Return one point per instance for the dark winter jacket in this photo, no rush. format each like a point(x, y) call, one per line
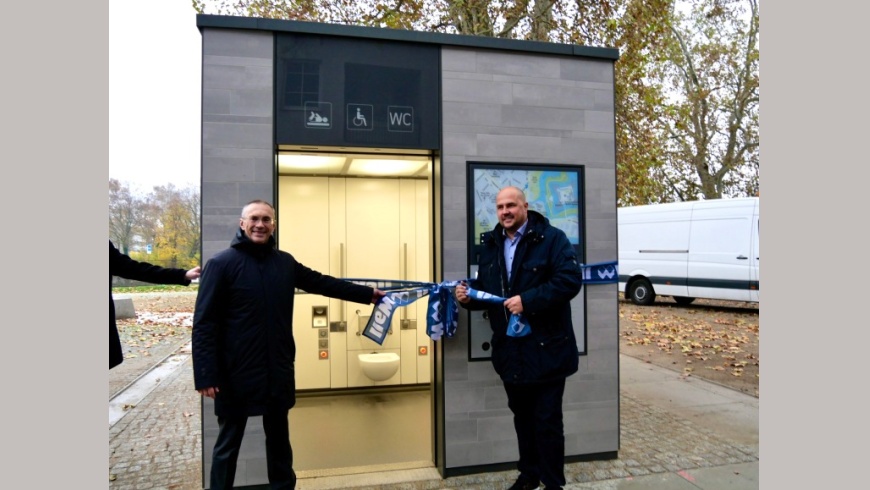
point(547, 275)
point(123, 266)
point(243, 324)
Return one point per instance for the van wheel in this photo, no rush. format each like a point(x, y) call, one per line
point(683, 300)
point(641, 292)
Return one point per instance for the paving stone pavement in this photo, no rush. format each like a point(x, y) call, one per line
point(158, 445)
point(128, 371)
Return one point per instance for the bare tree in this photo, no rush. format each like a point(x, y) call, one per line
point(168, 218)
point(712, 118)
point(125, 213)
point(686, 81)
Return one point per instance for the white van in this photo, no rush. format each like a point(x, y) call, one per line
point(699, 249)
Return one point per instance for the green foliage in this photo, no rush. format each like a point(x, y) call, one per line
point(168, 219)
point(156, 288)
point(686, 83)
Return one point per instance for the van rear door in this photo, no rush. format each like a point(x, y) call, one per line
point(720, 253)
point(755, 285)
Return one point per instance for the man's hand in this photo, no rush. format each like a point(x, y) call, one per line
point(377, 295)
point(209, 392)
point(461, 293)
point(514, 304)
point(193, 273)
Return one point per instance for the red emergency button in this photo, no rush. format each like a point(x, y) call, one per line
point(423, 350)
point(324, 354)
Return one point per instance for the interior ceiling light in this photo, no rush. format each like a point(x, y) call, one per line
point(367, 166)
point(310, 164)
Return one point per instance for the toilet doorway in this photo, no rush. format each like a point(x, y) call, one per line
point(358, 215)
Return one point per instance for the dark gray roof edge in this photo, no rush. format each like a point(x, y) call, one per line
point(234, 22)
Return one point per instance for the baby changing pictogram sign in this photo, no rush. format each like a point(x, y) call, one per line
point(318, 115)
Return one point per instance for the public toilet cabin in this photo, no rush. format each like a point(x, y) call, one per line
point(382, 151)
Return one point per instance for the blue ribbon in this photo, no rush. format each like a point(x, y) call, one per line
point(442, 313)
point(600, 272)
point(379, 322)
point(517, 326)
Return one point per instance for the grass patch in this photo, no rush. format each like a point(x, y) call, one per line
point(156, 288)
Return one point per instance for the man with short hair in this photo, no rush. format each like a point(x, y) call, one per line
point(534, 267)
point(243, 347)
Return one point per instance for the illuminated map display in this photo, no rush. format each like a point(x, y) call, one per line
point(554, 194)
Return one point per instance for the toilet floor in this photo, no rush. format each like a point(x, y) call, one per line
point(334, 432)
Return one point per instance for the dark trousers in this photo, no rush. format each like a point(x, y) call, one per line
point(279, 454)
point(537, 410)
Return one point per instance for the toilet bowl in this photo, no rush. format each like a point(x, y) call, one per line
point(379, 366)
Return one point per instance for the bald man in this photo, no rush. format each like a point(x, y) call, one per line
point(535, 268)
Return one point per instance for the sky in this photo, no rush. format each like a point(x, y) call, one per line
point(154, 93)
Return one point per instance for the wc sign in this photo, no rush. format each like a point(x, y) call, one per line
point(401, 119)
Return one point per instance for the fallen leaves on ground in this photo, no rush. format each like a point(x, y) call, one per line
point(158, 320)
point(707, 339)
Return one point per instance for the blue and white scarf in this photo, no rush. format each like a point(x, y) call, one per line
point(442, 314)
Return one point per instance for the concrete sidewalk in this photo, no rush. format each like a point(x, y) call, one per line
point(676, 433)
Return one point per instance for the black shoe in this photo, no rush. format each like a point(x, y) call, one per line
point(552, 488)
point(523, 483)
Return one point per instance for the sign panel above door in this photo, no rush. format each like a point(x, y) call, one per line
point(344, 92)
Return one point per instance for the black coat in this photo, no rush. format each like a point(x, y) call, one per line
point(547, 275)
point(243, 324)
point(123, 266)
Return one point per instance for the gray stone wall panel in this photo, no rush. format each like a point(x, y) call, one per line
point(461, 60)
point(238, 166)
point(560, 111)
point(236, 61)
point(220, 228)
point(250, 103)
point(517, 64)
point(599, 122)
point(471, 114)
point(588, 71)
point(546, 118)
point(593, 152)
point(604, 100)
point(250, 191)
point(236, 135)
point(215, 101)
point(495, 429)
point(215, 77)
point(469, 454)
point(219, 194)
point(237, 43)
point(463, 430)
point(229, 169)
point(509, 148)
point(477, 91)
point(560, 97)
point(462, 144)
point(464, 400)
